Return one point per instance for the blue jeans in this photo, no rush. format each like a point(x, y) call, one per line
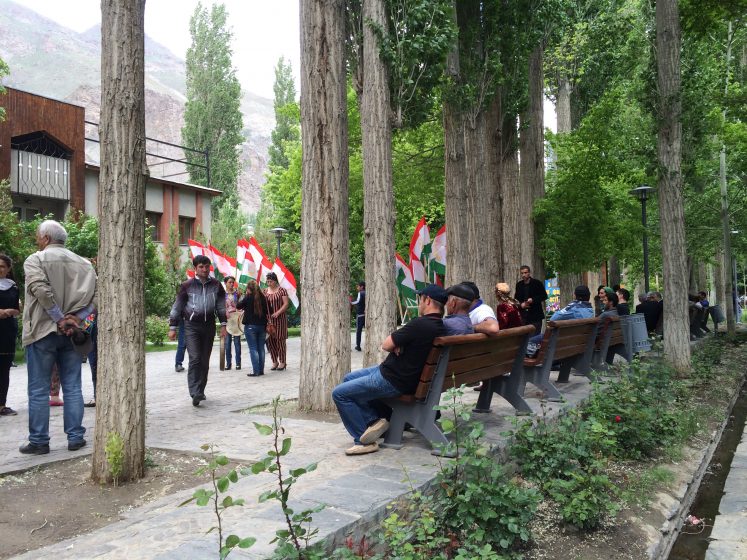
point(354, 395)
point(40, 356)
point(181, 344)
point(255, 338)
point(236, 341)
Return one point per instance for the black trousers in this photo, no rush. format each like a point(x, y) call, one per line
point(5, 361)
point(360, 323)
point(199, 338)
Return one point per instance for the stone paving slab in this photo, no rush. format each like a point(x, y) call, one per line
point(356, 489)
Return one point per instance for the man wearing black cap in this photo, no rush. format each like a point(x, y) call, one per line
point(398, 374)
point(481, 314)
point(457, 307)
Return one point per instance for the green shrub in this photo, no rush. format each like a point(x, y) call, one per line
point(156, 329)
point(585, 498)
point(641, 410)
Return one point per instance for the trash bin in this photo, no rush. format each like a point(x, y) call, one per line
point(634, 326)
point(717, 314)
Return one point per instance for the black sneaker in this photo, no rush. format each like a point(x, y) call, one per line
point(238, 366)
point(75, 445)
point(179, 368)
point(196, 400)
point(31, 449)
point(358, 348)
point(7, 411)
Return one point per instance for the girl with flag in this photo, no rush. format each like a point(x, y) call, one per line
point(232, 299)
point(277, 302)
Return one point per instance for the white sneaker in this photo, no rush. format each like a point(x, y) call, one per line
point(374, 431)
point(362, 449)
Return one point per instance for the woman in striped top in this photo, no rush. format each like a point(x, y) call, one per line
point(277, 302)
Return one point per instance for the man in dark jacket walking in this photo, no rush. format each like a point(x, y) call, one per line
point(531, 294)
point(198, 301)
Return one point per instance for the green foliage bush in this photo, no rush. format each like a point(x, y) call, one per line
point(156, 329)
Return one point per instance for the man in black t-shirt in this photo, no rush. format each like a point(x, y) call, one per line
point(531, 295)
point(398, 374)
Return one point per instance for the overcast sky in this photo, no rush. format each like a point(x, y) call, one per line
point(263, 31)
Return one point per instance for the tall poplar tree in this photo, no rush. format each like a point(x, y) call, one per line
point(325, 270)
point(120, 398)
point(286, 114)
point(212, 114)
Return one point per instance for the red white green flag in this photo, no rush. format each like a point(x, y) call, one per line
point(245, 268)
point(405, 283)
point(263, 264)
point(419, 247)
point(287, 281)
point(438, 253)
point(223, 264)
point(197, 248)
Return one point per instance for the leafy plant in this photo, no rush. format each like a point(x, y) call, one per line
point(156, 329)
point(293, 542)
point(220, 483)
point(114, 451)
point(584, 497)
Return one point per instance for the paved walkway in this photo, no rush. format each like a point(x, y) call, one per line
point(355, 489)
point(729, 535)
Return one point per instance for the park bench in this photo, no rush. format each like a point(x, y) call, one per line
point(620, 335)
point(457, 360)
point(567, 343)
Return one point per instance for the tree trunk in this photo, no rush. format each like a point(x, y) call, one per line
point(378, 197)
point(494, 159)
point(532, 171)
point(325, 271)
point(566, 282)
point(563, 106)
point(514, 203)
point(671, 209)
point(455, 179)
point(481, 246)
point(120, 393)
point(613, 272)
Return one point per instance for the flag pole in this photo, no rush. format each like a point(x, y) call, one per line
point(399, 304)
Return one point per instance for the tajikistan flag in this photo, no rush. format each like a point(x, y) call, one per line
point(405, 283)
point(223, 263)
point(287, 281)
point(245, 268)
point(419, 248)
point(263, 264)
point(438, 252)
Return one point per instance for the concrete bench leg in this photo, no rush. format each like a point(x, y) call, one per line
point(400, 415)
point(540, 377)
point(565, 372)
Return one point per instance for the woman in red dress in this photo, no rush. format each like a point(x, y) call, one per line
point(277, 303)
point(507, 310)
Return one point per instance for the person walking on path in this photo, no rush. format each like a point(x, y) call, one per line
point(360, 313)
point(254, 305)
point(9, 310)
point(398, 374)
point(232, 299)
point(61, 291)
point(198, 302)
point(181, 348)
point(531, 295)
point(277, 303)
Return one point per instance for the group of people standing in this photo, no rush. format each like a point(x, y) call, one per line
point(262, 313)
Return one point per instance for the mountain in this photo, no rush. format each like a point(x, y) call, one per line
point(52, 60)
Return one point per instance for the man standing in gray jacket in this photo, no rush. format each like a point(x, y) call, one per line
point(198, 301)
point(60, 293)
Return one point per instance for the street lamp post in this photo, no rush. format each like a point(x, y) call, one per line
point(642, 193)
point(279, 232)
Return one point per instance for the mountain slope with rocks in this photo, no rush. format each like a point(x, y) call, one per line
point(54, 61)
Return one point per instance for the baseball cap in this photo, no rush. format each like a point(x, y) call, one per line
point(434, 292)
point(461, 291)
point(472, 286)
point(582, 292)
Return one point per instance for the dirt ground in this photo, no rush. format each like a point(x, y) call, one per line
point(57, 501)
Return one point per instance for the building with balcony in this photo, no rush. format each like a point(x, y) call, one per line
point(52, 166)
